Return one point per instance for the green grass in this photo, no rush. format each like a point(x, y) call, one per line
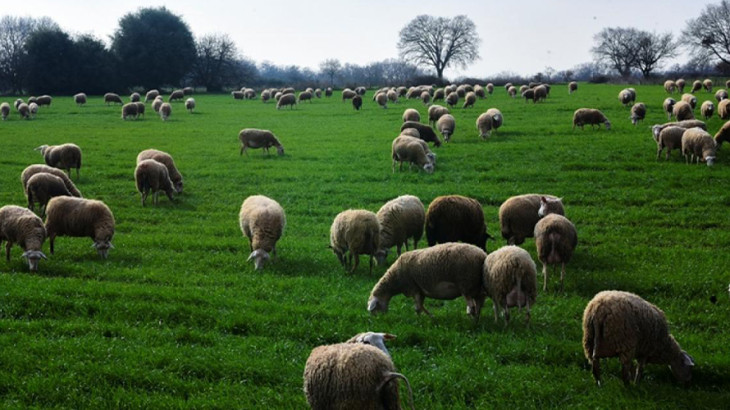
point(176, 317)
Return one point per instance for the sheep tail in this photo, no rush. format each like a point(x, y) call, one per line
point(393, 375)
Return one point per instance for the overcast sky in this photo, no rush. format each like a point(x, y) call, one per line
point(519, 36)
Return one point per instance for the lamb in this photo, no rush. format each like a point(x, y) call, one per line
point(130, 110)
point(352, 376)
point(720, 95)
point(42, 100)
point(484, 125)
point(426, 132)
point(31, 170)
point(134, 97)
point(723, 109)
point(669, 106)
point(470, 99)
point(497, 118)
point(435, 112)
point(411, 150)
point(286, 99)
point(190, 104)
point(157, 104)
point(622, 324)
point(707, 84)
point(4, 110)
point(670, 86)
point(638, 112)
point(583, 116)
point(165, 159)
point(24, 111)
point(707, 109)
point(151, 175)
point(669, 138)
point(446, 125)
point(237, 95)
point(78, 217)
point(348, 94)
point(151, 95)
point(42, 187)
point(400, 219)
point(255, 138)
point(680, 85)
point(444, 271)
point(698, 144)
point(80, 99)
point(682, 110)
point(512, 91)
point(555, 240)
point(262, 220)
point(426, 97)
point(165, 111)
point(723, 134)
point(305, 96)
point(22, 226)
point(696, 86)
point(355, 232)
point(382, 99)
point(626, 97)
point(510, 280)
point(411, 114)
point(112, 98)
point(65, 156)
point(452, 218)
point(541, 93)
point(690, 99)
point(519, 214)
point(357, 102)
point(452, 99)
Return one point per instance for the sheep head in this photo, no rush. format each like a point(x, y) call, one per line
point(682, 366)
point(381, 256)
point(428, 167)
point(33, 257)
point(179, 187)
point(102, 246)
point(259, 257)
point(280, 150)
point(710, 161)
point(546, 205)
point(376, 305)
point(42, 149)
point(373, 339)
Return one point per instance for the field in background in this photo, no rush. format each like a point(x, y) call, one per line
point(176, 317)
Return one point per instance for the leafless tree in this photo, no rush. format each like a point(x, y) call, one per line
point(652, 49)
point(439, 42)
point(14, 31)
point(708, 36)
point(330, 67)
point(215, 62)
point(617, 47)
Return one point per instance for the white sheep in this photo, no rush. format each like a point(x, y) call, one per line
point(24, 111)
point(151, 95)
point(355, 232)
point(707, 84)
point(65, 156)
point(165, 111)
point(696, 86)
point(669, 138)
point(721, 95)
point(176, 95)
point(190, 104)
point(446, 124)
point(670, 86)
point(510, 280)
point(626, 96)
point(484, 125)
point(470, 99)
point(262, 220)
point(32, 109)
point(78, 217)
point(157, 104)
point(400, 219)
point(669, 106)
point(707, 109)
point(22, 226)
point(680, 85)
point(519, 214)
point(286, 99)
point(690, 99)
point(723, 109)
point(382, 99)
point(255, 138)
point(4, 110)
point(408, 149)
point(134, 97)
point(113, 98)
point(555, 240)
point(80, 99)
point(638, 112)
point(698, 145)
point(165, 159)
point(583, 116)
point(722, 135)
point(130, 110)
point(153, 176)
point(435, 112)
point(497, 118)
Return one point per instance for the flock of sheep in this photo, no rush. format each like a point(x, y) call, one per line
point(360, 372)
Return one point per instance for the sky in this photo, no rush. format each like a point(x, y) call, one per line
point(517, 36)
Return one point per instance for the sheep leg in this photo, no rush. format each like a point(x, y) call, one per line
point(596, 367)
point(7, 250)
point(144, 197)
point(562, 276)
point(545, 275)
point(51, 238)
point(506, 314)
point(371, 265)
point(418, 298)
point(495, 307)
point(357, 262)
point(527, 315)
point(77, 173)
point(400, 246)
point(627, 369)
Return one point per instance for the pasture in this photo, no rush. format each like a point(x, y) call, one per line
point(177, 318)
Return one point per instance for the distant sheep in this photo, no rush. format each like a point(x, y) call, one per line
point(411, 114)
point(555, 240)
point(510, 280)
point(426, 97)
point(151, 95)
point(490, 88)
point(134, 97)
point(190, 104)
point(626, 96)
point(355, 232)
point(165, 111)
point(528, 94)
point(470, 99)
point(65, 156)
point(696, 86)
point(24, 111)
point(187, 90)
point(541, 93)
point(348, 94)
point(22, 226)
point(382, 99)
point(32, 109)
point(357, 102)
point(572, 87)
point(452, 99)
point(305, 96)
point(255, 138)
point(512, 91)
point(485, 125)
point(80, 99)
point(112, 98)
point(43, 100)
point(237, 95)
point(698, 145)
point(400, 219)
point(497, 118)
point(638, 112)
point(583, 116)
point(707, 109)
point(157, 104)
point(446, 126)
point(680, 85)
point(707, 84)
point(479, 92)
point(438, 95)
point(670, 86)
point(130, 110)
point(453, 218)
point(519, 214)
point(78, 217)
point(265, 96)
point(328, 92)
point(262, 220)
point(720, 95)
point(392, 96)
point(669, 106)
point(4, 110)
point(723, 109)
point(165, 159)
point(286, 99)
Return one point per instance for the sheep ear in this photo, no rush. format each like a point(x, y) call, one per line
point(388, 336)
point(687, 360)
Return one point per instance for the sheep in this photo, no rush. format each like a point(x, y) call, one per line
point(17, 103)
point(469, 100)
point(80, 99)
point(696, 86)
point(624, 325)
point(31, 170)
point(400, 219)
point(165, 111)
point(507, 86)
point(497, 118)
point(452, 99)
point(190, 104)
point(461, 91)
point(707, 84)
point(426, 132)
point(555, 240)
point(348, 94)
point(112, 98)
point(490, 88)
point(262, 220)
point(541, 93)
point(41, 187)
point(445, 271)
point(723, 134)
point(426, 97)
point(479, 92)
point(32, 109)
point(360, 90)
point(512, 91)
point(670, 138)
point(249, 93)
point(435, 112)
point(583, 116)
point(411, 150)
point(524, 88)
point(572, 87)
point(151, 95)
point(382, 99)
point(519, 214)
point(682, 110)
point(265, 96)
point(723, 109)
point(510, 280)
point(392, 96)
point(707, 109)
point(626, 97)
point(452, 218)
point(657, 128)
point(484, 125)
point(65, 156)
point(638, 112)
point(680, 85)
point(720, 95)
point(150, 175)
point(286, 99)
point(4, 110)
point(318, 93)
point(165, 159)
point(352, 376)
point(411, 114)
point(412, 132)
point(670, 86)
point(698, 144)
point(22, 226)
point(357, 102)
point(24, 111)
point(669, 106)
point(255, 138)
point(134, 97)
point(42, 100)
point(528, 94)
point(690, 99)
point(446, 125)
point(130, 110)
point(187, 90)
point(439, 95)
point(157, 104)
point(78, 217)
point(355, 232)
point(328, 92)
point(237, 95)
point(305, 96)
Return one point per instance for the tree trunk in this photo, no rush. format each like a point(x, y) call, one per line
point(440, 74)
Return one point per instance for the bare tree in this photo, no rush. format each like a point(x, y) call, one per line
point(617, 47)
point(330, 68)
point(215, 62)
point(14, 32)
point(708, 36)
point(439, 42)
point(652, 49)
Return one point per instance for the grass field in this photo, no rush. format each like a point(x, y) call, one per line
point(176, 317)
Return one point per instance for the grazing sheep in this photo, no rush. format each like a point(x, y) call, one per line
point(80, 99)
point(682, 110)
point(669, 138)
point(112, 98)
point(461, 91)
point(305, 96)
point(510, 280)
point(318, 93)
point(512, 91)
point(485, 124)
point(190, 104)
point(78, 217)
point(519, 214)
point(723, 109)
point(357, 102)
point(626, 97)
point(453, 218)
point(425, 132)
point(157, 104)
point(680, 85)
point(20, 225)
point(412, 132)
point(479, 92)
point(572, 87)
point(249, 93)
point(32, 109)
point(528, 94)
point(187, 90)
point(65, 156)
point(17, 103)
point(165, 159)
point(686, 124)
point(165, 111)
point(392, 96)
point(262, 220)
point(426, 97)
point(411, 150)
point(439, 95)
point(348, 94)
point(638, 112)
point(497, 118)
point(352, 376)
point(707, 109)
point(286, 99)
point(400, 219)
point(698, 145)
point(524, 88)
point(265, 96)
point(469, 100)
point(720, 95)
point(622, 324)
point(696, 86)
point(328, 92)
point(130, 110)
point(583, 116)
point(723, 134)
point(452, 99)
point(555, 240)
point(435, 112)
point(541, 93)
point(690, 99)
point(355, 232)
point(382, 99)
point(237, 95)
point(411, 114)
point(41, 187)
point(255, 138)
point(444, 271)
point(151, 95)
point(360, 90)
point(134, 97)
point(24, 111)
point(490, 88)
point(707, 84)
point(446, 125)
point(4, 110)
point(31, 170)
point(42, 100)
point(670, 86)
point(507, 86)
point(151, 175)
point(669, 106)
